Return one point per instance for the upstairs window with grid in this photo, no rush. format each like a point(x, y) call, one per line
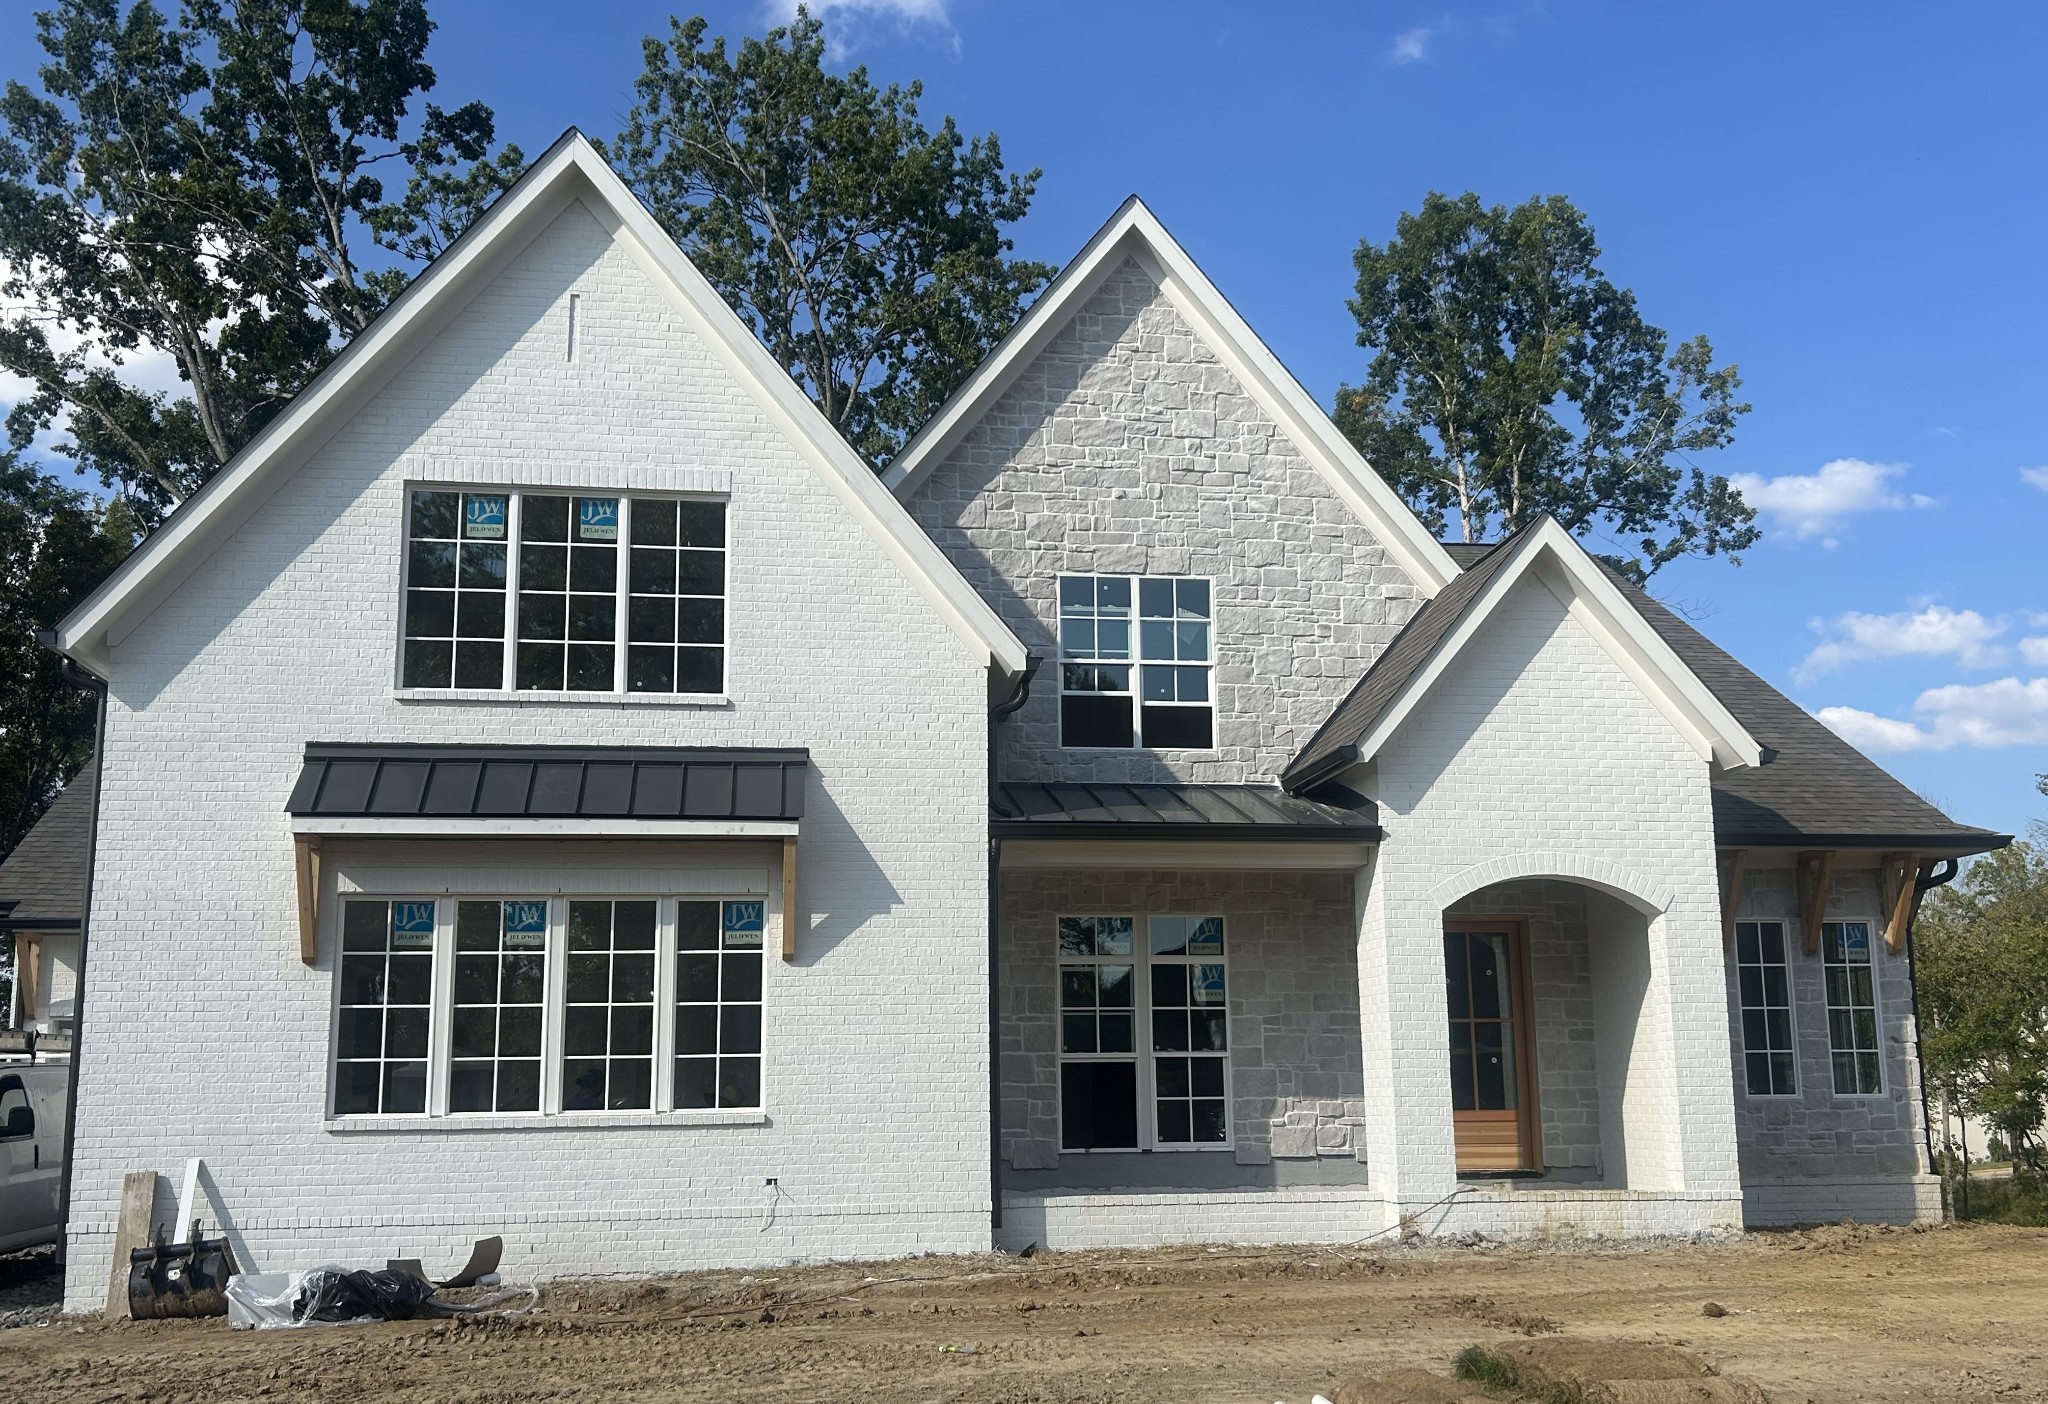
point(604, 593)
point(1136, 663)
point(1770, 1059)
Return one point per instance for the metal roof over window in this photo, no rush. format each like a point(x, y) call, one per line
point(577, 783)
point(1173, 811)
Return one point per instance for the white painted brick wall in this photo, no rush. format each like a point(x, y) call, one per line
point(206, 1036)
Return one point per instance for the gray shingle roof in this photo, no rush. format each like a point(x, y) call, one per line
point(1813, 788)
point(1175, 811)
point(44, 878)
point(538, 782)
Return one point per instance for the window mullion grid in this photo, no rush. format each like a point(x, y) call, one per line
point(664, 1004)
point(1141, 997)
point(622, 596)
point(439, 1016)
point(508, 675)
point(554, 995)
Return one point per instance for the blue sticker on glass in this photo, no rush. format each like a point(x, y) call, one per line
point(597, 518)
point(743, 922)
point(412, 924)
point(526, 923)
point(1205, 982)
point(483, 517)
point(1857, 938)
point(1205, 937)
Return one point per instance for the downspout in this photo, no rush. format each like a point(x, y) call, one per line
point(80, 676)
point(1922, 886)
point(1019, 695)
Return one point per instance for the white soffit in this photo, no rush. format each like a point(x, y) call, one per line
point(1547, 555)
point(1134, 232)
point(569, 171)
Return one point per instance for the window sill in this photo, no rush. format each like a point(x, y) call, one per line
point(588, 699)
point(560, 1121)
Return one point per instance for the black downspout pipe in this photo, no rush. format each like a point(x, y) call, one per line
point(93, 683)
point(1921, 886)
point(1019, 695)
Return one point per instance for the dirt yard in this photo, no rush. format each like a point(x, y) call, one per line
point(1835, 1314)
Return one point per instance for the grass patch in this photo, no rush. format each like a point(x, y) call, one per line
point(2015, 1201)
point(1481, 1366)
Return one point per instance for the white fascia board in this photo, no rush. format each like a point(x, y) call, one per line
point(569, 170)
point(1136, 232)
point(1561, 565)
point(457, 826)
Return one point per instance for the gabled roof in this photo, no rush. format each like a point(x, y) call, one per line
point(1133, 232)
point(42, 883)
point(571, 170)
point(1437, 633)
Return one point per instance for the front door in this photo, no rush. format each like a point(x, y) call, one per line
point(1493, 1076)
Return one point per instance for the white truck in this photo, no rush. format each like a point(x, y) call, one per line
point(32, 1100)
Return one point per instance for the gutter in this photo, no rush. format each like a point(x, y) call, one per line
point(80, 676)
point(1020, 693)
point(1922, 886)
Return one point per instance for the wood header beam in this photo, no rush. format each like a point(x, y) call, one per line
point(1816, 881)
point(306, 863)
point(792, 915)
point(1731, 892)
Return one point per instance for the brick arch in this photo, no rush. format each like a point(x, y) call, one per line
point(1652, 899)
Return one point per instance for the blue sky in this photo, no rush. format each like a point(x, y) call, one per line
point(1844, 198)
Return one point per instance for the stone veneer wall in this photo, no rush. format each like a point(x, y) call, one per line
point(1817, 1134)
point(1561, 973)
point(1289, 944)
point(1127, 448)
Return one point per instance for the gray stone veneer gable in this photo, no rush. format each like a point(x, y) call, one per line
point(1127, 447)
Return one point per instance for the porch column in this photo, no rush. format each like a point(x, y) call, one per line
point(1689, 977)
point(1411, 1155)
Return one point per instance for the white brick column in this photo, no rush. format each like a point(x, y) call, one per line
point(1411, 1155)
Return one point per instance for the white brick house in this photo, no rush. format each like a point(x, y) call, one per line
point(554, 788)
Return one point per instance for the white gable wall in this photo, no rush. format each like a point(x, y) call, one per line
point(1537, 755)
point(215, 1039)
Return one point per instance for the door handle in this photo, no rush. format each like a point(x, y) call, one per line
point(39, 1158)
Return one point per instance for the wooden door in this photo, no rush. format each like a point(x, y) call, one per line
point(1493, 1068)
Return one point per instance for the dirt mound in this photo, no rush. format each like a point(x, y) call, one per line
point(1571, 1370)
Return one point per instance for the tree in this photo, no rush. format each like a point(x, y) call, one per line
point(56, 546)
point(209, 188)
point(1510, 379)
point(1981, 969)
point(865, 251)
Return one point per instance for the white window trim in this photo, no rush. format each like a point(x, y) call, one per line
point(508, 690)
point(1872, 935)
point(1791, 1010)
point(1141, 1036)
point(440, 1019)
point(1136, 664)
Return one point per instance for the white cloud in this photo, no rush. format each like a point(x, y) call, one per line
point(2035, 477)
point(1412, 45)
point(848, 23)
point(2035, 651)
point(1814, 504)
point(1935, 631)
point(1984, 715)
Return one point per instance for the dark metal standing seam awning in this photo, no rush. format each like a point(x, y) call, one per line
point(1240, 812)
point(549, 782)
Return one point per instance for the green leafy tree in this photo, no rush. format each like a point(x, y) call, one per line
point(1981, 969)
point(212, 187)
point(864, 250)
point(1510, 378)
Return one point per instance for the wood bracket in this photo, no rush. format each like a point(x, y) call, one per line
point(306, 862)
point(1900, 880)
point(1816, 881)
point(1731, 892)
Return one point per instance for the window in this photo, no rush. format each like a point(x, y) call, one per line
point(1769, 1056)
point(387, 982)
point(613, 594)
point(516, 1005)
point(718, 1004)
point(1182, 1081)
point(1171, 707)
point(1852, 1008)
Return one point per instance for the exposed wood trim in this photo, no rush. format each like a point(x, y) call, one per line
point(1731, 893)
point(1816, 881)
point(306, 864)
point(28, 972)
point(1899, 874)
point(792, 915)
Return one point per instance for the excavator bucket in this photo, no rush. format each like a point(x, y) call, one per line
point(180, 1279)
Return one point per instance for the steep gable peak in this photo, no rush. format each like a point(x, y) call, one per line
point(1134, 234)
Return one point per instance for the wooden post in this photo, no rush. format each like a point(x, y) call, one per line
point(1899, 877)
point(306, 854)
point(131, 1231)
point(1816, 880)
point(1731, 893)
point(792, 916)
point(28, 972)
